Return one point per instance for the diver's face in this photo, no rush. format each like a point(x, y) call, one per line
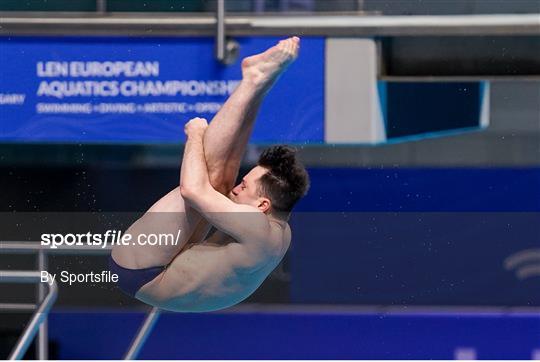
point(247, 191)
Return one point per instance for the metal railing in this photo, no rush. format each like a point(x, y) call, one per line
point(40, 315)
point(220, 30)
point(41, 24)
point(38, 324)
point(142, 334)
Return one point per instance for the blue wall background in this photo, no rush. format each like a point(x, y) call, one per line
point(416, 237)
point(298, 335)
point(423, 189)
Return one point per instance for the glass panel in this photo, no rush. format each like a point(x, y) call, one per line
point(450, 7)
point(158, 5)
point(48, 5)
point(385, 7)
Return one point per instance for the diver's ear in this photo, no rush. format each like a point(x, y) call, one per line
point(264, 204)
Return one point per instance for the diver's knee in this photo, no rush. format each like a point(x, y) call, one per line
point(220, 182)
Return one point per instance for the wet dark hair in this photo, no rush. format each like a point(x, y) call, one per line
point(286, 181)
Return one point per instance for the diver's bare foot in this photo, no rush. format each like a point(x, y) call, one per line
point(264, 68)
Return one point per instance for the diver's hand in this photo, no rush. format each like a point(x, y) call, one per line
point(196, 127)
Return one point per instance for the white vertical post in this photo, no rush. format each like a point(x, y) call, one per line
point(353, 109)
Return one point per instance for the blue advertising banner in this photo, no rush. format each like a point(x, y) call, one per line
point(143, 90)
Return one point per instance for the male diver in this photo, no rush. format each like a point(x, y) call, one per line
point(250, 230)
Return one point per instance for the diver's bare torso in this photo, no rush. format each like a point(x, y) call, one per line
point(216, 273)
point(203, 272)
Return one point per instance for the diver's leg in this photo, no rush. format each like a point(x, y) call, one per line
point(169, 216)
point(227, 135)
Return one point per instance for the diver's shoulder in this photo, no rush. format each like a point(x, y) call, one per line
point(279, 238)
